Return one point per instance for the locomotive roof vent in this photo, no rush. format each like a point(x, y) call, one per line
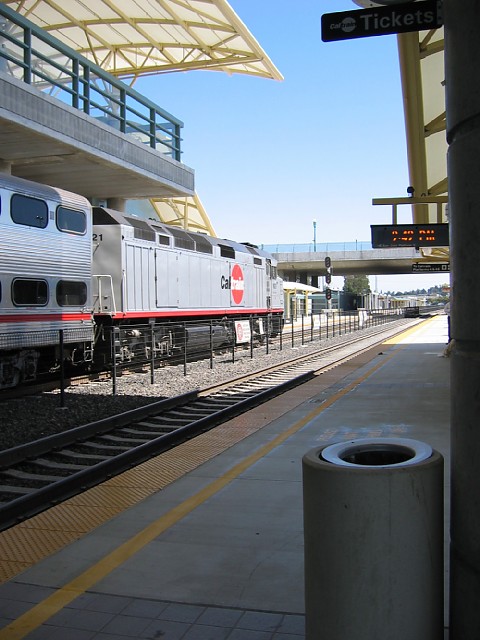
point(182, 239)
point(251, 247)
point(102, 215)
point(159, 229)
point(202, 243)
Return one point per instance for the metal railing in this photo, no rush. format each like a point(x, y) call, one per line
point(319, 247)
point(124, 347)
point(30, 54)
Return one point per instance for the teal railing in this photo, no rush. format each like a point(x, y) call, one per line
point(32, 55)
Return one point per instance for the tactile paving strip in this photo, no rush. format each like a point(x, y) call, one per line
point(29, 542)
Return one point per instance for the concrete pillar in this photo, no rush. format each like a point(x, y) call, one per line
point(462, 75)
point(118, 204)
point(5, 166)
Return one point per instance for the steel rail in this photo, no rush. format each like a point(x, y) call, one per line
point(26, 506)
point(238, 398)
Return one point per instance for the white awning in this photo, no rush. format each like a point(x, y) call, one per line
point(298, 286)
point(129, 38)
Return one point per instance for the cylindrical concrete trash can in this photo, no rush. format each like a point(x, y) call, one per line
point(373, 529)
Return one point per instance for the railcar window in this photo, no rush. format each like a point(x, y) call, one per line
point(257, 261)
point(71, 294)
point(29, 292)
point(164, 240)
point(71, 221)
point(226, 251)
point(29, 211)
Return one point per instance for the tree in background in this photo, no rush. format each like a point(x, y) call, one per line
point(359, 285)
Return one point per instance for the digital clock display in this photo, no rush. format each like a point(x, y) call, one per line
point(409, 235)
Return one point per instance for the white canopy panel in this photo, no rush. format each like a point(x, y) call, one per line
point(423, 80)
point(298, 286)
point(421, 57)
point(129, 38)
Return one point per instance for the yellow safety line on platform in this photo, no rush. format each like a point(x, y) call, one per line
point(41, 612)
point(405, 334)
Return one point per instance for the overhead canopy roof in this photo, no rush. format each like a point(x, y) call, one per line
point(129, 38)
point(186, 212)
point(423, 78)
point(421, 55)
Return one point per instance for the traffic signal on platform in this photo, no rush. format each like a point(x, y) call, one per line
point(328, 277)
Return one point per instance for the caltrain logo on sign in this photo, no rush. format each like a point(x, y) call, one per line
point(238, 284)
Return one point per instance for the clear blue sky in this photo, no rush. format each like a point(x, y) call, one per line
point(270, 157)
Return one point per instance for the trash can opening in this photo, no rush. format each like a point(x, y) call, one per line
point(374, 456)
point(380, 453)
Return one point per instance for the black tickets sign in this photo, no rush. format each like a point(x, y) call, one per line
point(379, 21)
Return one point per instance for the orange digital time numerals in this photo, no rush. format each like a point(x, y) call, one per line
point(407, 235)
point(410, 235)
point(427, 234)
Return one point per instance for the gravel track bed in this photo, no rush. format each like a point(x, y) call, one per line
point(32, 417)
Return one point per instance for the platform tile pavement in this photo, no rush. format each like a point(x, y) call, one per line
point(108, 617)
point(95, 616)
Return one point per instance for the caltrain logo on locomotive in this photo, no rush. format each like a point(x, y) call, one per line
point(238, 284)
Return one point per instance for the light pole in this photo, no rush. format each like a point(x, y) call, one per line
point(314, 235)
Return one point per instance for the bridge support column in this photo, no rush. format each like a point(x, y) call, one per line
point(462, 61)
point(119, 204)
point(5, 167)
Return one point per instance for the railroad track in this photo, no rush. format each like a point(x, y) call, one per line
point(37, 475)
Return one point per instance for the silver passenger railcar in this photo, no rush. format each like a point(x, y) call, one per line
point(45, 278)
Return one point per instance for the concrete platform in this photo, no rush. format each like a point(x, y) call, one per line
point(218, 554)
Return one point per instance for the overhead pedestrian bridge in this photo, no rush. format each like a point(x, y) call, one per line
point(66, 122)
point(300, 262)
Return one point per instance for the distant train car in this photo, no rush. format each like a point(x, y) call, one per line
point(45, 278)
point(69, 275)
